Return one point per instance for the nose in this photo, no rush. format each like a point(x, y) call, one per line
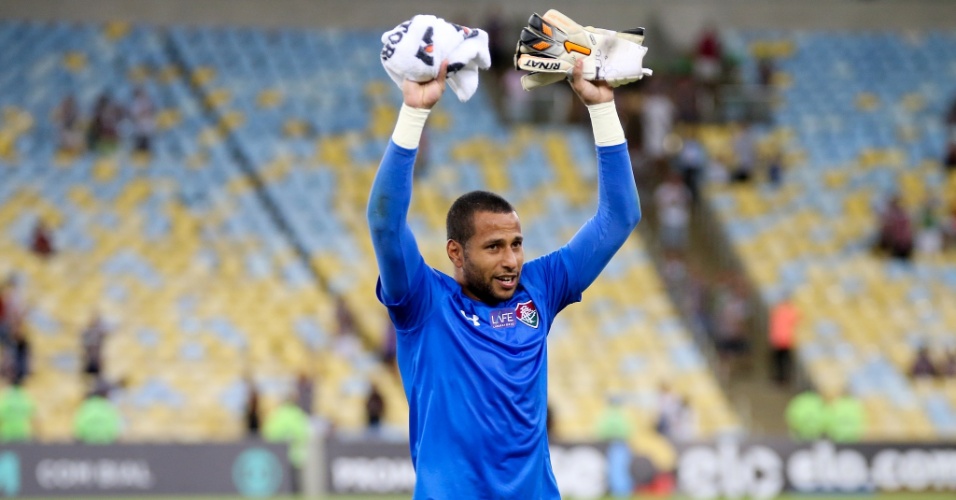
point(510, 259)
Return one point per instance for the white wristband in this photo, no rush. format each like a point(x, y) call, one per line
point(606, 124)
point(408, 128)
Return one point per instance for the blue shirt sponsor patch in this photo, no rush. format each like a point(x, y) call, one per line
point(503, 318)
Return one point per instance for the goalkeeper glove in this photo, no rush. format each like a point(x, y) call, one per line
point(551, 44)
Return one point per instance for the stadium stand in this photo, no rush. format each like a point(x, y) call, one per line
point(175, 249)
point(223, 253)
point(315, 140)
point(858, 118)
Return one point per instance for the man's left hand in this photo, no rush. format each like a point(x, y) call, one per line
point(590, 92)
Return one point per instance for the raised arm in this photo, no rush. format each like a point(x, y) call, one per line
point(395, 249)
point(619, 208)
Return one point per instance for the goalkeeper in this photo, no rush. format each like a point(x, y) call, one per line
point(472, 347)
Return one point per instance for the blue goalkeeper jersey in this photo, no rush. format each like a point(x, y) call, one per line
point(475, 374)
point(476, 380)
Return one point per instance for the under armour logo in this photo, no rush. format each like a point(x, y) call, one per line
point(473, 318)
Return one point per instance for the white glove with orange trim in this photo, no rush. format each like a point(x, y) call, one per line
point(551, 44)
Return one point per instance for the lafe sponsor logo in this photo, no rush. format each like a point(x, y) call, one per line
point(502, 318)
point(100, 474)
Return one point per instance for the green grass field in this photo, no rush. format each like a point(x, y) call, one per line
point(897, 496)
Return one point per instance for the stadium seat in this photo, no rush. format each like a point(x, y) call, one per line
point(854, 138)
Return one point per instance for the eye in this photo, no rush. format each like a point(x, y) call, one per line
point(517, 244)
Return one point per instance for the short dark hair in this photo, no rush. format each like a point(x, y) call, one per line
point(460, 222)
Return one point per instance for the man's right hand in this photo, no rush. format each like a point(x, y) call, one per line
point(425, 95)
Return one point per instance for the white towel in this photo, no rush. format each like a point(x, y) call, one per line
point(415, 49)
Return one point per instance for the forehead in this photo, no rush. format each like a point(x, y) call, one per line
point(490, 225)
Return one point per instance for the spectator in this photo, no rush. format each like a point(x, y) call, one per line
point(93, 338)
point(17, 413)
point(708, 69)
point(304, 392)
point(685, 101)
point(21, 355)
point(929, 239)
point(69, 124)
point(845, 419)
point(343, 317)
point(374, 410)
point(676, 420)
point(41, 242)
point(615, 427)
point(923, 366)
point(765, 71)
point(517, 102)
point(806, 416)
point(690, 285)
point(951, 116)
point(657, 122)
point(103, 132)
point(775, 171)
point(948, 366)
point(7, 308)
point(691, 162)
point(684, 426)
point(289, 424)
point(896, 231)
point(613, 424)
point(707, 60)
point(783, 322)
point(115, 389)
point(948, 226)
point(629, 107)
point(949, 161)
point(674, 271)
point(672, 199)
point(346, 343)
point(143, 115)
point(13, 311)
point(667, 404)
point(97, 421)
point(745, 150)
point(389, 346)
point(716, 172)
point(252, 412)
point(730, 312)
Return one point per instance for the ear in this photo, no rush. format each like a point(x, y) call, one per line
point(456, 253)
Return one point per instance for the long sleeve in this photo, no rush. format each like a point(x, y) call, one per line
point(618, 213)
point(396, 251)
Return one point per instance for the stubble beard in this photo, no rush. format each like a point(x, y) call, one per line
point(482, 288)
